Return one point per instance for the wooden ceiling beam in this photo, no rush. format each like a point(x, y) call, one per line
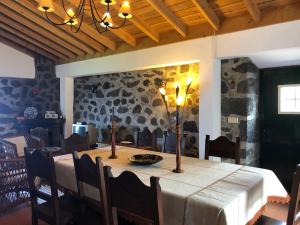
point(87, 29)
point(28, 24)
point(43, 23)
point(161, 8)
point(204, 7)
point(253, 9)
point(27, 45)
point(142, 25)
point(36, 36)
point(32, 41)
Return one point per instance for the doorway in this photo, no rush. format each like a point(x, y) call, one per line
point(280, 132)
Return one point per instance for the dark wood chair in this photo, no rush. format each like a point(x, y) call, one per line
point(145, 139)
point(34, 142)
point(90, 173)
point(290, 214)
point(131, 200)
point(222, 147)
point(170, 143)
point(41, 133)
point(47, 206)
point(75, 143)
point(13, 178)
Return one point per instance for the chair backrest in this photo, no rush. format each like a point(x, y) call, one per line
point(8, 150)
point(40, 165)
point(145, 139)
point(170, 143)
point(222, 147)
point(294, 206)
point(75, 143)
point(129, 198)
point(34, 142)
point(91, 173)
point(41, 133)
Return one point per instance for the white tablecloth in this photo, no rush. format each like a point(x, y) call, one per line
point(207, 193)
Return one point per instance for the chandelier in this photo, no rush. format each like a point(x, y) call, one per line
point(74, 17)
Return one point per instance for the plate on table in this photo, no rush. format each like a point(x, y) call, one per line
point(145, 159)
point(126, 142)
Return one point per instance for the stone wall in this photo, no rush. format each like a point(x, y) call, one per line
point(240, 98)
point(135, 97)
point(16, 94)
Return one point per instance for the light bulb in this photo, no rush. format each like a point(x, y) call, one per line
point(179, 100)
point(189, 80)
point(45, 6)
point(162, 91)
point(125, 10)
point(69, 18)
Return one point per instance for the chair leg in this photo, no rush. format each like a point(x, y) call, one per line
point(82, 213)
point(34, 218)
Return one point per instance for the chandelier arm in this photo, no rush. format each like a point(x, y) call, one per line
point(52, 22)
point(98, 29)
point(78, 10)
point(93, 7)
point(95, 21)
point(80, 23)
point(125, 19)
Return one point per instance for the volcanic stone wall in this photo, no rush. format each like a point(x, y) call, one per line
point(16, 94)
point(240, 98)
point(135, 98)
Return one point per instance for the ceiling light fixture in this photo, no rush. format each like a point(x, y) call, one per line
point(74, 17)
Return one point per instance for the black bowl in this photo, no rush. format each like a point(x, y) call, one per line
point(145, 159)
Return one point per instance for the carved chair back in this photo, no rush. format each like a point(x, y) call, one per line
point(40, 165)
point(90, 173)
point(294, 206)
point(222, 147)
point(170, 143)
point(130, 199)
point(8, 150)
point(41, 133)
point(75, 143)
point(145, 139)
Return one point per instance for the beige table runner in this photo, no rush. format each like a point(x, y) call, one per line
point(207, 193)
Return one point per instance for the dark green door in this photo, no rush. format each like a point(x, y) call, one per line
point(280, 133)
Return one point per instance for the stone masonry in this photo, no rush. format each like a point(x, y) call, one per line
point(240, 98)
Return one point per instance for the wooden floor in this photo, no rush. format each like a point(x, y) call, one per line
point(19, 216)
point(22, 216)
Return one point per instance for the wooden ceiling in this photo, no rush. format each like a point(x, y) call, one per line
point(154, 22)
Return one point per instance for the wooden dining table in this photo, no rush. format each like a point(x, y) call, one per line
point(207, 193)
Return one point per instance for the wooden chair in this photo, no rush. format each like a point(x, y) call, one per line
point(130, 199)
point(75, 143)
point(41, 133)
point(90, 173)
point(49, 206)
point(287, 213)
point(34, 142)
point(13, 177)
point(222, 147)
point(170, 143)
point(145, 139)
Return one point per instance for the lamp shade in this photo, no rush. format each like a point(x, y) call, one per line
point(108, 20)
point(106, 2)
point(70, 19)
point(45, 5)
point(125, 10)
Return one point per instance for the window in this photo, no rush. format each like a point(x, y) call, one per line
point(289, 99)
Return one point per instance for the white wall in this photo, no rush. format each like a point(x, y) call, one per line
point(207, 51)
point(15, 64)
